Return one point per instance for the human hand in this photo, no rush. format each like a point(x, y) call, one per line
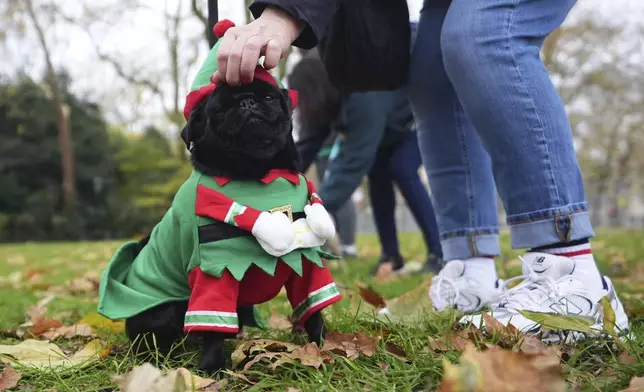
point(270, 35)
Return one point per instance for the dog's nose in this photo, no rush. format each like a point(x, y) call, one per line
point(247, 103)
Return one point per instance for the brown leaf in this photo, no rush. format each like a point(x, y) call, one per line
point(239, 376)
point(636, 385)
point(397, 351)
point(384, 273)
point(69, 331)
point(45, 325)
point(351, 345)
point(88, 284)
point(503, 371)
point(308, 355)
point(627, 359)
point(532, 345)
point(454, 342)
point(492, 325)
point(370, 296)
point(9, 378)
point(291, 389)
point(278, 321)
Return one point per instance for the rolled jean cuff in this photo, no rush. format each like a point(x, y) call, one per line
point(561, 227)
point(470, 245)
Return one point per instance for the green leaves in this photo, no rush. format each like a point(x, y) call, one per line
point(560, 322)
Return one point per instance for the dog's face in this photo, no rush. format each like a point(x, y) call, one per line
point(242, 132)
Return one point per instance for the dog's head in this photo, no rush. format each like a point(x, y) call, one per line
point(242, 132)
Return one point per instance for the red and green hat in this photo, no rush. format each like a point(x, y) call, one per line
point(203, 85)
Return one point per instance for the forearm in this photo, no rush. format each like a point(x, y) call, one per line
point(307, 19)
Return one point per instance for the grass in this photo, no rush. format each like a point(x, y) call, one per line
point(591, 366)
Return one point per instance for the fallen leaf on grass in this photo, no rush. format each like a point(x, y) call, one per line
point(99, 322)
point(9, 378)
point(17, 260)
point(532, 345)
point(502, 370)
point(259, 346)
point(150, 379)
point(411, 306)
point(42, 354)
point(385, 273)
point(69, 331)
point(277, 321)
point(636, 385)
point(45, 325)
point(291, 389)
point(608, 315)
point(36, 313)
point(88, 283)
point(307, 355)
point(397, 351)
point(627, 359)
point(240, 376)
point(507, 336)
point(370, 296)
point(351, 345)
point(559, 321)
point(448, 343)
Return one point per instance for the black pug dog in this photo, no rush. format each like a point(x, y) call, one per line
point(240, 133)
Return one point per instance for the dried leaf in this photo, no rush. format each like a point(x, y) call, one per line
point(351, 345)
point(309, 355)
point(45, 325)
point(532, 345)
point(410, 307)
point(9, 378)
point(385, 273)
point(240, 376)
point(43, 355)
point(492, 325)
point(636, 385)
point(278, 321)
point(397, 351)
point(291, 389)
point(454, 342)
point(248, 348)
point(150, 379)
point(370, 296)
point(98, 322)
point(503, 371)
point(69, 331)
point(560, 321)
point(627, 359)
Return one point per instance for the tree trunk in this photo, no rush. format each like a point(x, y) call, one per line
point(64, 134)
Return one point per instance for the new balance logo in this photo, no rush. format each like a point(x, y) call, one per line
point(565, 306)
point(540, 260)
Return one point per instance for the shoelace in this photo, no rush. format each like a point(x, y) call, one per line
point(523, 295)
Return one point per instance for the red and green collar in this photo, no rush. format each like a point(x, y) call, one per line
point(273, 174)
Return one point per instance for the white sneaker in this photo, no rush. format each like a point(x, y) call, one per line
point(451, 288)
point(549, 286)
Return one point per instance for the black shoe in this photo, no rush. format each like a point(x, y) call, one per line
point(397, 263)
point(433, 265)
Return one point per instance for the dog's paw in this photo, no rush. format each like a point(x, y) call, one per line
point(274, 231)
point(320, 221)
point(212, 365)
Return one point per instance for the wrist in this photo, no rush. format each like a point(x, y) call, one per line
point(290, 27)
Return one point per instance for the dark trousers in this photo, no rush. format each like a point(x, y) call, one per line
point(399, 162)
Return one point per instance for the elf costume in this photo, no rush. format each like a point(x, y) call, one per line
point(216, 248)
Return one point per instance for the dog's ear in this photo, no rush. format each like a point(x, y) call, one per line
point(196, 126)
point(290, 96)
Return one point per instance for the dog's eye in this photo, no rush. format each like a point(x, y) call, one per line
point(269, 98)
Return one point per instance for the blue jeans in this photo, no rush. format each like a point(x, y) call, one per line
point(399, 162)
point(489, 114)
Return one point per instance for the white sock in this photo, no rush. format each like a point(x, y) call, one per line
point(585, 265)
point(482, 269)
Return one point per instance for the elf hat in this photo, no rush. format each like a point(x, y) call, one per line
point(203, 86)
